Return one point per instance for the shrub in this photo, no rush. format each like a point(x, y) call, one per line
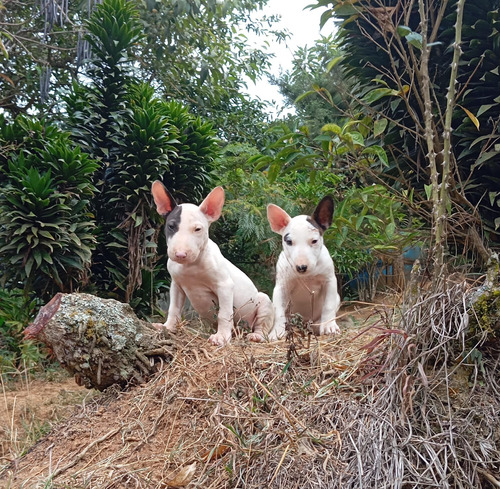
point(15, 313)
point(46, 229)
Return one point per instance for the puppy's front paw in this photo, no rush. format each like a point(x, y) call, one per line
point(219, 339)
point(329, 328)
point(158, 326)
point(255, 337)
point(276, 333)
point(169, 326)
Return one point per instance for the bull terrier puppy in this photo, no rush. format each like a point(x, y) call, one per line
point(213, 285)
point(305, 275)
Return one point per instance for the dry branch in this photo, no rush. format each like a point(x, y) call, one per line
point(100, 341)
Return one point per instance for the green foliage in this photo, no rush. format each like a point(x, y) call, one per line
point(46, 230)
point(47, 234)
point(16, 311)
point(137, 138)
point(369, 223)
point(348, 150)
point(370, 226)
point(243, 233)
point(390, 85)
point(113, 30)
point(289, 150)
point(373, 216)
point(316, 86)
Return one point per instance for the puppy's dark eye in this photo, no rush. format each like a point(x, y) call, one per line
point(288, 241)
point(197, 229)
point(171, 226)
point(314, 241)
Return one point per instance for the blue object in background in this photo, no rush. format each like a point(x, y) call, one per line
point(410, 254)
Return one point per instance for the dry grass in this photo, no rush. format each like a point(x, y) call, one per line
point(30, 408)
point(434, 420)
point(378, 406)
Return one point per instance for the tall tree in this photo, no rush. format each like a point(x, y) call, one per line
point(402, 56)
point(316, 71)
point(137, 138)
point(196, 52)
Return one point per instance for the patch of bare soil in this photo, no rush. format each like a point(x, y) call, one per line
point(30, 408)
point(208, 413)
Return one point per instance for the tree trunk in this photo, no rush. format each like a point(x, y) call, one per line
point(100, 341)
point(440, 177)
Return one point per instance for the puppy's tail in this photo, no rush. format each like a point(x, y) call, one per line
point(264, 318)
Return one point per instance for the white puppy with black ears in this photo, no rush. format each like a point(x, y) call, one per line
point(305, 274)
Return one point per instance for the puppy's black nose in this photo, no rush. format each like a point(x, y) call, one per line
point(301, 268)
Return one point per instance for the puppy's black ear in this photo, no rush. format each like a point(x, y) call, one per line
point(323, 214)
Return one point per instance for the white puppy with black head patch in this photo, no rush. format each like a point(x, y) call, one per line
point(305, 275)
point(213, 285)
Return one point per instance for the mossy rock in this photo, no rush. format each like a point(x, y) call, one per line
point(486, 312)
point(100, 341)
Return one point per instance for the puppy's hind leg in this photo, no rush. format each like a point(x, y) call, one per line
point(264, 318)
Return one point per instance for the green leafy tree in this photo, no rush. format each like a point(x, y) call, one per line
point(198, 52)
point(195, 52)
point(429, 76)
point(316, 86)
point(137, 138)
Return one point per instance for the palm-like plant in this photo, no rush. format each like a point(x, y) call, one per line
point(137, 139)
point(46, 229)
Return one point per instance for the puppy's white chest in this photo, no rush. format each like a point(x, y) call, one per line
point(198, 285)
point(305, 296)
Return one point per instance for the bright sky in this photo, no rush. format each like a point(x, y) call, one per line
point(304, 28)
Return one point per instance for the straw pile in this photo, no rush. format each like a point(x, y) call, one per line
point(404, 400)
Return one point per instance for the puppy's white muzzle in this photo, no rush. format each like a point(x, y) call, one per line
point(183, 257)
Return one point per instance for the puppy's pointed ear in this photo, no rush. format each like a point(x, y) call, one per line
point(165, 203)
point(323, 214)
point(212, 205)
point(278, 218)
